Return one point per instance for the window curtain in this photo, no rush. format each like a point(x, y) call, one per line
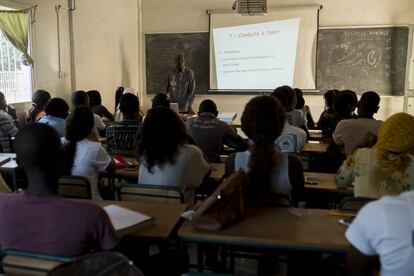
point(15, 27)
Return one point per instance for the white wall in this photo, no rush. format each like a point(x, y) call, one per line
point(105, 44)
point(190, 16)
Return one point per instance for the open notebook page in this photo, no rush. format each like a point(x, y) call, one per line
point(123, 218)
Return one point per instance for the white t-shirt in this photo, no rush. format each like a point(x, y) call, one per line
point(99, 124)
point(386, 228)
point(350, 133)
point(296, 118)
point(280, 179)
point(90, 159)
point(292, 139)
point(187, 172)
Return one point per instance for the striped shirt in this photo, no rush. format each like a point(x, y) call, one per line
point(121, 135)
point(7, 129)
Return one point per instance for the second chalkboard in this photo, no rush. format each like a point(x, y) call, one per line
point(362, 59)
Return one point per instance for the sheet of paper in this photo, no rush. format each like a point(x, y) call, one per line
point(123, 218)
point(227, 117)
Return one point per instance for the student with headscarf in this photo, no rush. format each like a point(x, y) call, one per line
point(387, 168)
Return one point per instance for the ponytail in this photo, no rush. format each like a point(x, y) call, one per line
point(264, 160)
point(78, 126)
point(69, 151)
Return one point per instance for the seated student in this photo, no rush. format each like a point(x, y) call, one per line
point(83, 154)
point(210, 134)
point(300, 105)
point(121, 135)
point(95, 101)
point(80, 98)
point(57, 111)
point(386, 169)
point(118, 94)
point(295, 117)
point(165, 156)
point(382, 237)
point(344, 105)
point(41, 221)
point(39, 101)
point(7, 126)
point(328, 114)
point(161, 99)
point(292, 139)
point(353, 132)
point(270, 171)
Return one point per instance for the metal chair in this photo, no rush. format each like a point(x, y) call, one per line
point(152, 193)
point(100, 263)
point(353, 203)
point(74, 187)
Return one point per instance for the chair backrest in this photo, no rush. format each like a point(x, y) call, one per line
point(151, 193)
point(27, 263)
point(74, 187)
point(353, 203)
point(101, 263)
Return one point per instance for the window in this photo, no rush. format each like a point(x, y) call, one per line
point(15, 78)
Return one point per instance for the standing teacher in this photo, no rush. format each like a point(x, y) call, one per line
point(181, 85)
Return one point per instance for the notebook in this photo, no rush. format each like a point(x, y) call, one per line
point(227, 117)
point(4, 160)
point(122, 218)
point(174, 107)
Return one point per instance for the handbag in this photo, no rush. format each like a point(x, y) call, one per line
point(225, 206)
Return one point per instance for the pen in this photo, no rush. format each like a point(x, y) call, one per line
point(342, 214)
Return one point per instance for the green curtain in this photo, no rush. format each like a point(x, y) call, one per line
point(15, 27)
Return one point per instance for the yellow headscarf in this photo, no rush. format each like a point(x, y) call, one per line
point(395, 140)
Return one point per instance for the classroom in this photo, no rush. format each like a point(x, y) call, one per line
point(102, 45)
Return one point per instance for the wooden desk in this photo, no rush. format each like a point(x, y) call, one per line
point(129, 174)
point(315, 148)
point(166, 216)
point(324, 181)
point(278, 228)
point(315, 135)
point(217, 170)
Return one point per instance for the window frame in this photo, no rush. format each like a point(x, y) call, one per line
point(21, 6)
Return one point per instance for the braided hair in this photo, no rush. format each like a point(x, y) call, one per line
point(263, 121)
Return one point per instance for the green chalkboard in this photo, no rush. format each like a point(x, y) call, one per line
point(161, 50)
point(362, 59)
